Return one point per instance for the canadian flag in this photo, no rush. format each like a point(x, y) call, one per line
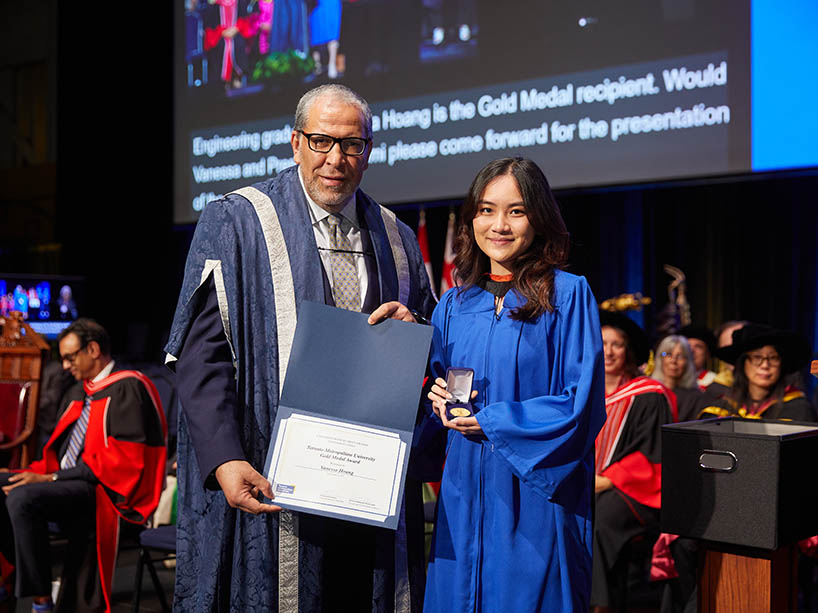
point(423, 241)
point(449, 272)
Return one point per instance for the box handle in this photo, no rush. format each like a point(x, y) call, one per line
point(718, 461)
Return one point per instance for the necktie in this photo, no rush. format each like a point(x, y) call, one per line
point(77, 436)
point(346, 287)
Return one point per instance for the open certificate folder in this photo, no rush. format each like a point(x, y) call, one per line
point(337, 467)
point(347, 413)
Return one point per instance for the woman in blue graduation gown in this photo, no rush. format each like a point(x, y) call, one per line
point(513, 524)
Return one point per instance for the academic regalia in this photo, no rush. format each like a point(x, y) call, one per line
point(513, 520)
point(325, 22)
point(290, 27)
point(125, 449)
point(228, 58)
point(257, 248)
point(628, 452)
point(690, 402)
point(705, 378)
point(794, 406)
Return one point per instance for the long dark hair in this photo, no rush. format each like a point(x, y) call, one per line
point(739, 393)
point(534, 269)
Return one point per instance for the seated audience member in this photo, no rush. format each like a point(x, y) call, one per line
point(703, 346)
point(766, 363)
point(674, 369)
point(628, 458)
point(104, 461)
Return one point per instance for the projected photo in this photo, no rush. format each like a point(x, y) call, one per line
point(243, 46)
point(32, 300)
point(48, 304)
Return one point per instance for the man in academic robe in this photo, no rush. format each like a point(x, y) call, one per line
point(257, 255)
point(104, 461)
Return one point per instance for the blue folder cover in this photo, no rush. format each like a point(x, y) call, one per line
point(345, 369)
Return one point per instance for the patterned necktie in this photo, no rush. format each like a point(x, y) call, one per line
point(77, 437)
point(346, 287)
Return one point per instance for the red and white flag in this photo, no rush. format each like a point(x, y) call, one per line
point(449, 272)
point(423, 242)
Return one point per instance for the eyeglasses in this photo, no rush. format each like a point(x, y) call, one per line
point(676, 358)
point(756, 359)
point(70, 357)
point(322, 143)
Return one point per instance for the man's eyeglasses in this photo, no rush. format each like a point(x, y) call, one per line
point(322, 143)
point(70, 357)
point(756, 359)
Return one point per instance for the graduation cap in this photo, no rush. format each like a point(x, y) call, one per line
point(702, 333)
point(794, 349)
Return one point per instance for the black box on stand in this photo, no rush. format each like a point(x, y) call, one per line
point(747, 482)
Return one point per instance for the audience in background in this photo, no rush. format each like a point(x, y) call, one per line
point(674, 368)
point(628, 462)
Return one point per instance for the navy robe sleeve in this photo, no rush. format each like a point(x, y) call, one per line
point(546, 438)
point(207, 389)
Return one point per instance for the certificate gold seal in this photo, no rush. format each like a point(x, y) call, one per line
point(459, 412)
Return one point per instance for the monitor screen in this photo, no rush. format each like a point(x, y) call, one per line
point(597, 93)
point(48, 303)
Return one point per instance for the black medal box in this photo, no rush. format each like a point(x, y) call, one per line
point(746, 482)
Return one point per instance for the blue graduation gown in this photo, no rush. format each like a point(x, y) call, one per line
point(513, 527)
point(231, 560)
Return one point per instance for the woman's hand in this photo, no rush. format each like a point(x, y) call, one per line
point(438, 395)
point(467, 426)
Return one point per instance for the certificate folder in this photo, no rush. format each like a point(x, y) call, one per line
point(347, 415)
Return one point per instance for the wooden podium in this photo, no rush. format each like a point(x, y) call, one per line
point(746, 491)
point(751, 581)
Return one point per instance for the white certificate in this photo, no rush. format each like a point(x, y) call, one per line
point(337, 467)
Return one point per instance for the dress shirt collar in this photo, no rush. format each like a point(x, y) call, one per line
point(317, 214)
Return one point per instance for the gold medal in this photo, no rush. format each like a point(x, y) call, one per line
point(459, 412)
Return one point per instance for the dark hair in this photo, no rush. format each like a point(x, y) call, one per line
point(739, 393)
point(88, 330)
point(534, 269)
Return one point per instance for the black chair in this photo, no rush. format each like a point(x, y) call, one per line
point(159, 542)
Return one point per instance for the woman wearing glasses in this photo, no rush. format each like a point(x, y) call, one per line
point(766, 363)
point(675, 369)
point(513, 522)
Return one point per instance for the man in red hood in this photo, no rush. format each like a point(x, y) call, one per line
point(104, 461)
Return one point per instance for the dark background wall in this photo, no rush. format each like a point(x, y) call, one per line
point(98, 200)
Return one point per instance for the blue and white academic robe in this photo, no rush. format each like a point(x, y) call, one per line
point(255, 250)
point(513, 530)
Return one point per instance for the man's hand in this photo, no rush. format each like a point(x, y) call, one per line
point(24, 479)
point(241, 484)
point(602, 483)
point(391, 310)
